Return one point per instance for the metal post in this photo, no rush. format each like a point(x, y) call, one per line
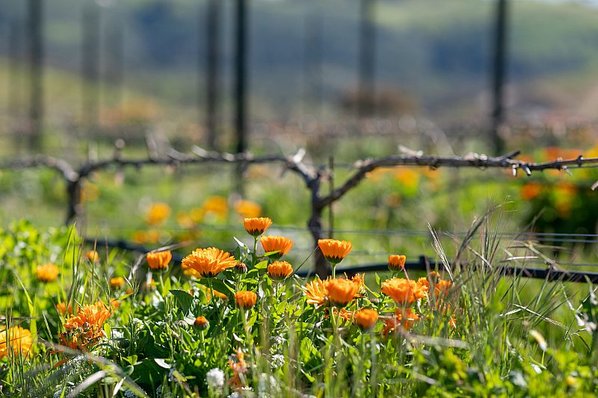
point(498, 75)
point(367, 59)
point(313, 60)
point(212, 64)
point(241, 75)
point(90, 64)
point(14, 89)
point(36, 87)
point(117, 52)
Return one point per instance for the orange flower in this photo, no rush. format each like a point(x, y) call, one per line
point(278, 244)
point(47, 272)
point(442, 287)
point(336, 291)
point(157, 213)
point(216, 205)
point(316, 292)
point(403, 291)
point(406, 317)
point(117, 282)
point(158, 260)
point(87, 327)
point(341, 291)
point(423, 284)
point(280, 270)
point(247, 208)
point(15, 339)
point(365, 318)
point(531, 190)
point(346, 315)
point(256, 226)
point(207, 262)
point(63, 308)
point(114, 303)
point(245, 299)
point(390, 325)
point(359, 279)
point(239, 368)
point(396, 262)
point(403, 318)
point(201, 322)
point(334, 250)
point(93, 256)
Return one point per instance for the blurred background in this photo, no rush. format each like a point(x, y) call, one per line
point(346, 79)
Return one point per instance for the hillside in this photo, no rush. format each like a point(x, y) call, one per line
point(433, 52)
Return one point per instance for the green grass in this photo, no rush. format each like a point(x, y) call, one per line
point(512, 336)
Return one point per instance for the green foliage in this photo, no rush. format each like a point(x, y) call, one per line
point(489, 336)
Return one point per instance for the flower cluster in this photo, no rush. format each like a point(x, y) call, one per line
point(86, 328)
point(335, 291)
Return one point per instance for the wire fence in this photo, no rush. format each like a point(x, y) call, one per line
point(314, 177)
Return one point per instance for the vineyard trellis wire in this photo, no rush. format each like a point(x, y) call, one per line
point(313, 176)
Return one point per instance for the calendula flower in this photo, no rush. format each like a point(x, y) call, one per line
point(340, 292)
point(114, 303)
point(63, 308)
point(85, 328)
point(207, 262)
point(245, 299)
point(280, 270)
point(334, 250)
point(117, 282)
point(157, 213)
point(365, 318)
point(423, 284)
point(256, 226)
point(239, 367)
point(531, 191)
point(158, 260)
point(201, 322)
point(15, 339)
point(47, 272)
point(316, 292)
point(406, 317)
point(277, 244)
point(396, 262)
point(346, 315)
point(93, 256)
point(403, 318)
point(216, 205)
point(442, 287)
point(403, 291)
point(241, 268)
point(248, 209)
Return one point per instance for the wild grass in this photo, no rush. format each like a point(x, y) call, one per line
point(486, 335)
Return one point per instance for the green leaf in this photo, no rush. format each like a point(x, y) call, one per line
point(217, 284)
point(262, 265)
point(183, 299)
